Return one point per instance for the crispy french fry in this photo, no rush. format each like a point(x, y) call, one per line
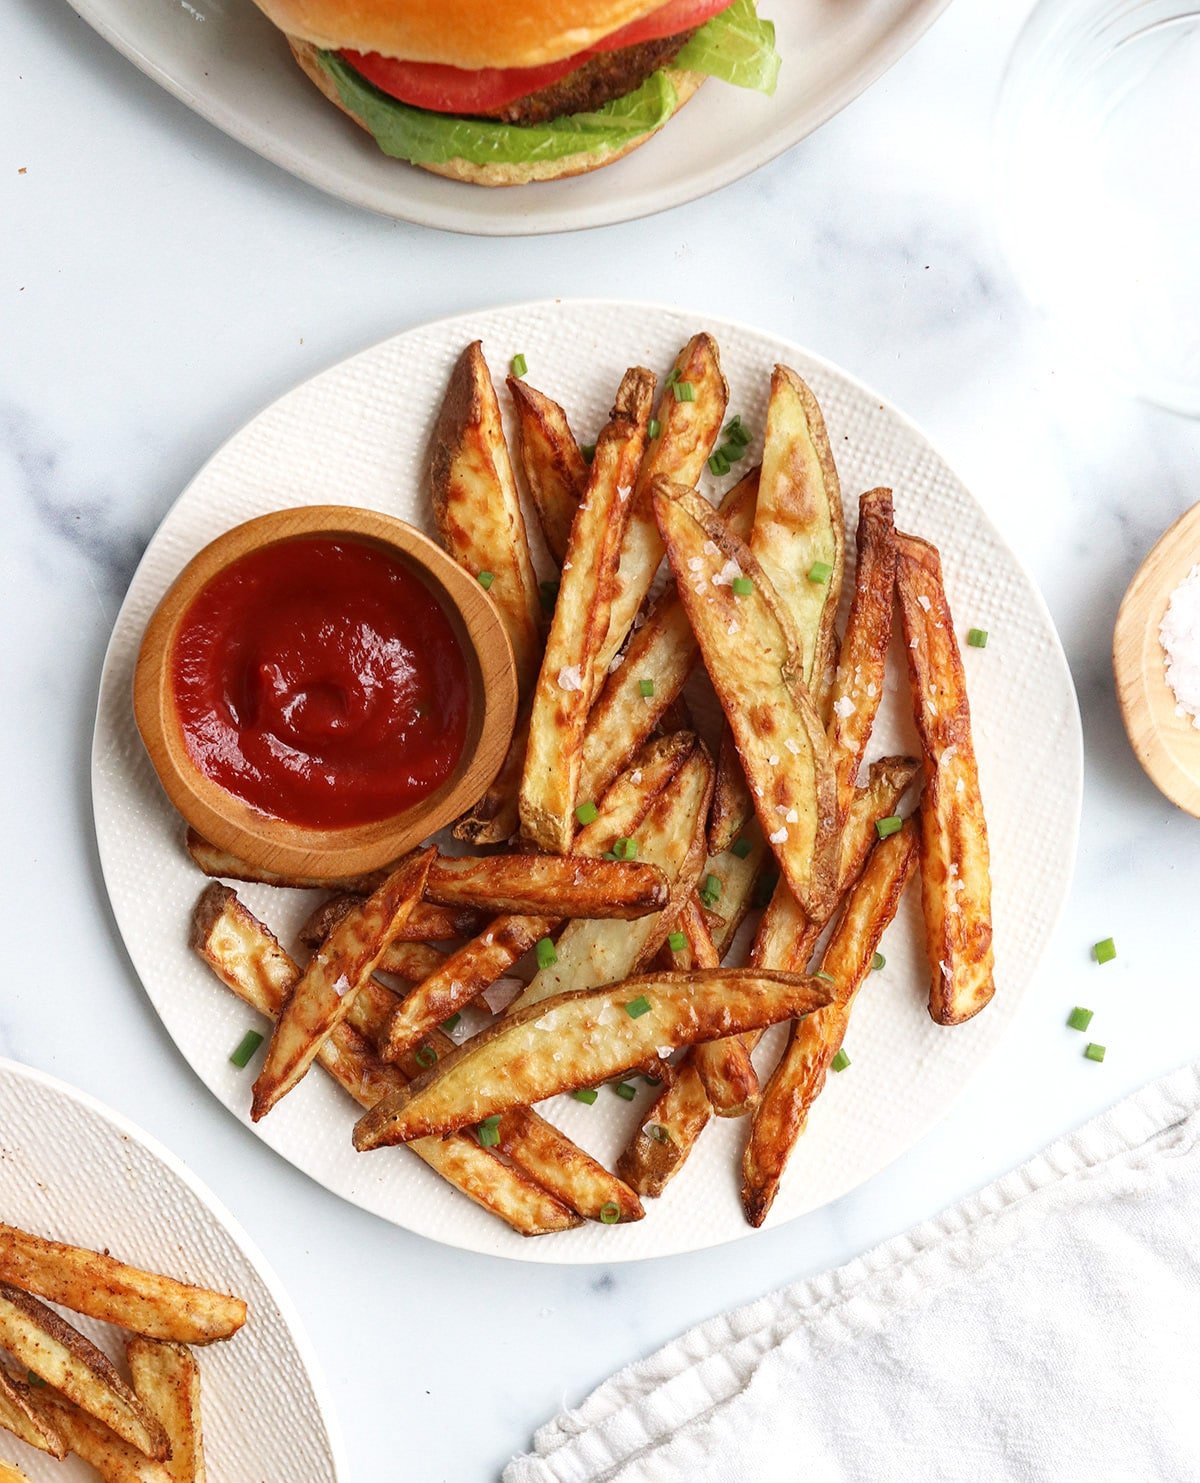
point(660, 1146)
point(477, 507)
point(46, 1344)
point(723, 1066)
point(661, 655)
point(568, 887)
point(567, 682)
point(956, 883)
point(495, 817)
point(752, 656)
point(20, 1414)
point(579, 1039)
point(858, 681)
point(796, 1082)
point(732, 804)
point(555, 473)
point(550, 1158)
point(222, 865)
point(96, 1284)
point(113, 1458)
point(247, 959)
point(321, 998)
point(166, 1378)
point(412, 961)
point(737, 871)
point(688, 430)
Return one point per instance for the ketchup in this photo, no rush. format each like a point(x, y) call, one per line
point(320, 681)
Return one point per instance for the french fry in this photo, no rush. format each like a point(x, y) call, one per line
point(858, 681)
point(46, 1344)
point(495, 817)
point(736, 871)
point(20, 1415)
point(567, 682)
point(477, 507)
point(752, 657)
point(555, 473)
point(113, 1458)
point(732, 804)
point(411, 961)
point(247, 959)
point(96, 1284)
point(661, 655)
point(660, 1147)
point(582, 1038)
point(222, 865)
point(796, 1082)
point(723, 1066)
point(166, 1378)
point(532, 884)
point(688, 430)
point(322, 997)
point(553, 1161)
point(956, 884)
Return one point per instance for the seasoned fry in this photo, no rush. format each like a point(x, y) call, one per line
point(221, 865)
point(582, 1038)
point(320, 1000)
point(688, 431)
point(732, 803)
point(752, 657)
point(166, 1377)
point(568, 887)
point(550, 1158)
point(46, 1344)
point(495, 818)
point(402, 957)
point(20, 1415)
point(660, 1146)
point(96, 1284)
point(956, 884)
point(736, 874)
point(567, 681)
point(723, 1066)
point(797, 1080)
point(858, 682)
point(248, 960)
point(555, 473)
point(478, 509)
point(114, 1459)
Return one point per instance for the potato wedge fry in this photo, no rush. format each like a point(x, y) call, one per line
point(555, 473)
point(956, 883)
point(550, 1158)
point(96, 1284)
point(796, 1082)
point(737, 871)
point(732, 803)
point(567, 682)
point(411, 961)
point(858, 681)
point(660, 1146)
point(114, 1459)
point(326, 990)
point(20, 1414)
point(477, 507)
point(495, 818)
point(247, 959)
point(688, 431)
point(662, 652)
point(532, 884)
point(751, 654)
point(46, 1344)
point(166, 1378)
point(221, 865)
point(554, 1046)
point(724, 1066)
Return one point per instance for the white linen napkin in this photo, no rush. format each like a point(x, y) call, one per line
point(1047, 1328)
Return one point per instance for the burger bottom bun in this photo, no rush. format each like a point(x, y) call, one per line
point(684, 83)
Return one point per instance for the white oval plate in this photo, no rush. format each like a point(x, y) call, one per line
point(226, 61)
point(357, 434)
point(74, 1170)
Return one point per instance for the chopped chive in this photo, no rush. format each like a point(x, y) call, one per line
point(488, 1132)
point(710, 891)
point(741, 848)
point(718, 463)
point(625, 1091)
point(684, 391)
point(878, 962)
point(736, 434)
point(250, 1042)
point(977, 638)
point(655, 427)
point(587, 813)
point(485, 579)
point(589, 452)
point(546, 956)
point(1080, 1019)
point(658, 1133)
point(677, 942)
point(645, 689)
point(636, 1008)
point(840, 1061)
point(828, 977)
point(765, 888)
point(548, 591)
point(452, 1023)
point(652, 1081)
point(625, 848)
point(675, 375)
point(609, 855)
point(891, 825)
point(742, 586)
point(585, 1094)
point(426, 1056)
point(610, 1213)
point(33, 1379)
point(820, 571)
point(519, 365)
point(1094, 1052)
point(1105, 952)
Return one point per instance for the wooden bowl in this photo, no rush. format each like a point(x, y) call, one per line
point(275, 844)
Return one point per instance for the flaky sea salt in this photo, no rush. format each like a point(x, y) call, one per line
point(843, 706)
point(1179, 634)
point(569, 678)
point(779, 837)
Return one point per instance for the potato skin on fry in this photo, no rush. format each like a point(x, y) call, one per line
point(20, 1414)
point(555, 473)
point(166, 1378)
point(112, 1457)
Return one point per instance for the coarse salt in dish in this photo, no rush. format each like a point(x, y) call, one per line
point(1179, 634)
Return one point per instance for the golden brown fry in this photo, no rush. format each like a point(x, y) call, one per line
point(567, 681)
point(555, 473)
point(403, 958)
point(98, 1285)
point(532, 884)
point(21, 1415)
point(688, 431)
point(956, 883)
point(582, 1038)
point(46, 1344)
point(550, 1158)
point(797, 1080)
point(723, 1066)
point(166, 1378)
point(737, 871)
point(752, 656)
point(114, 1459)
point(495, 818)
point(247, 959)
point(222, 865)
point(478, 509)
point(858, 682)
point(660, 1146)
point(319, 1002)
point(732, 804)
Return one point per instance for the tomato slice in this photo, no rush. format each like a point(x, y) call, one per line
point(458, 90)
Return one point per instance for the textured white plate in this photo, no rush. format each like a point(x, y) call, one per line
point(76, 1171)
point(356, 435)
point(226, 61)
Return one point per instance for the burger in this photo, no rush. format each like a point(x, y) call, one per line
point(501, 92)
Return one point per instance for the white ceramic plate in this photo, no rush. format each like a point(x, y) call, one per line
point(76, 1171)
point(357, 434)
point(225, 60)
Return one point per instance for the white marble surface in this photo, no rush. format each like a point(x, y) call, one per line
point(158, 283)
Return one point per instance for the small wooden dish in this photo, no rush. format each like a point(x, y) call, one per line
point(1167, 745)
point(329, 854)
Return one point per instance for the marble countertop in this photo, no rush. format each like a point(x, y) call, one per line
point(158, 284)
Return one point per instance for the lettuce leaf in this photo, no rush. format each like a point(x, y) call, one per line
point(737, 47)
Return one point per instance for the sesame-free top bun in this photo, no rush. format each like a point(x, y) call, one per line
point(459, 33)
point(685, 84)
